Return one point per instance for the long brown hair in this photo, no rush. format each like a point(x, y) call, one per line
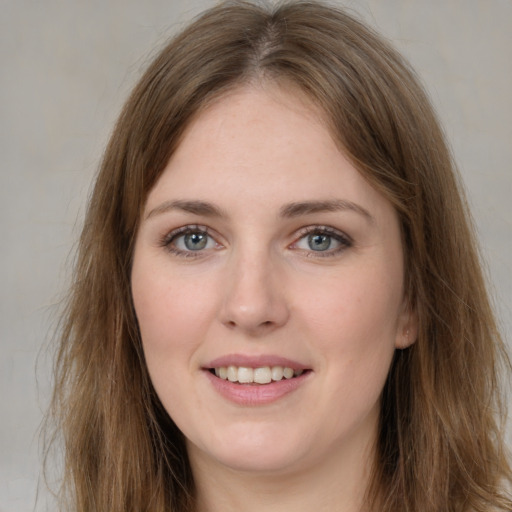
point(441, 442)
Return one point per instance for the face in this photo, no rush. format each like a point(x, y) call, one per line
point(268, 285)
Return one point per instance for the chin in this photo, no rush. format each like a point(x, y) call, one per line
point(253, 451)
point(263, 463)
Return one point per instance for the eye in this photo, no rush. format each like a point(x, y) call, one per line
point(188, 240)
point(319, 242)
point(193, 241)
point(324, 241)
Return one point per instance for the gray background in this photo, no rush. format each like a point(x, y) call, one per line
point(67, 66)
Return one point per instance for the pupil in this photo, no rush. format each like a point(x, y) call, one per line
point(195, 241)
point(319, 242)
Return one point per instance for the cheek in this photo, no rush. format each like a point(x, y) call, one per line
point(171, 312)
point(363, 303)
point(355, 327)
point(357, 312)
point(158, 310)
point(169, 308)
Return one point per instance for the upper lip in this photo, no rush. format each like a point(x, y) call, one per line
point(257, 361)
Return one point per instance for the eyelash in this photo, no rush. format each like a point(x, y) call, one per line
point(169, 240)
point(344, 240)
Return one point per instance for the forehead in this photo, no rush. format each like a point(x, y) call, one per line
point(263, 145)
point(235, 117)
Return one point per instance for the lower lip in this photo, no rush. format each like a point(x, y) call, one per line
point(256, 394)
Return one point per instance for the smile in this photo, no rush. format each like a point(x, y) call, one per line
point(261, 375)
point(252, 380)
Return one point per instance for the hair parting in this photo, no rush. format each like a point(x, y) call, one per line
point(441, 443)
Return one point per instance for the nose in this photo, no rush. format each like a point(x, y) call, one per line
point(254, 295)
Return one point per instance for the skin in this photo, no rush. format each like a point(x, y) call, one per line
point(258, 288)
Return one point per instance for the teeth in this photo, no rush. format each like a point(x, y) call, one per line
point(288, 373)
point(263, 375)
point(245, 375)
point(232, 374)
point(277, 372)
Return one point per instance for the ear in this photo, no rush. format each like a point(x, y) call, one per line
point(407, 328)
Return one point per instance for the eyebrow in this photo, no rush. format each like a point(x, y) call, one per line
point(293, 210)
point(196, 207)
point(288, 211)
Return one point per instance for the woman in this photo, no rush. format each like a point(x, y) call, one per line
point(278, 301)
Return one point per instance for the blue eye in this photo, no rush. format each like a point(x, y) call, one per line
point(188, 240)
point(194, 241)
point(319, 242)
point(322, 240)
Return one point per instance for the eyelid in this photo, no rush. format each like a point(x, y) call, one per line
point(345, 240)
point(168, 238)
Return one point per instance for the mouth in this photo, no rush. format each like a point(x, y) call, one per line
point(256, 380)
point(256, 376)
